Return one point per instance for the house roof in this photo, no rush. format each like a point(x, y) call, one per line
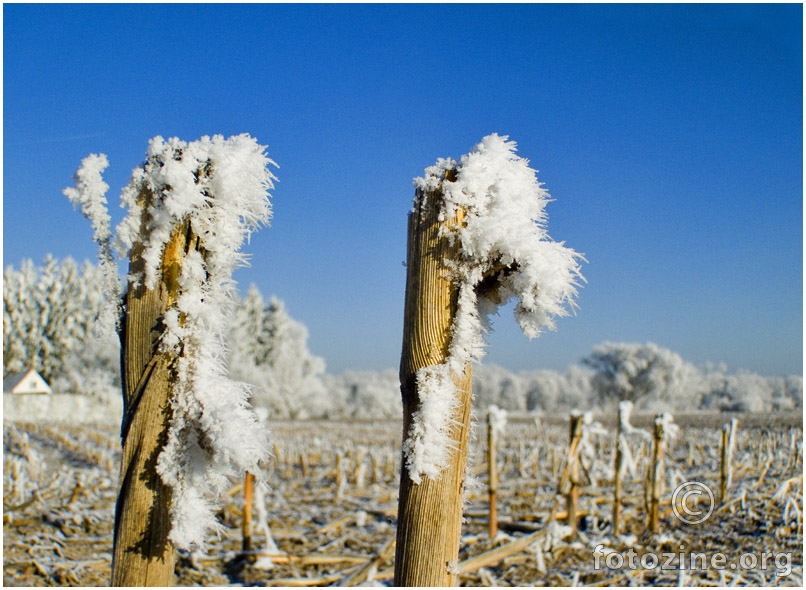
point(13, 381)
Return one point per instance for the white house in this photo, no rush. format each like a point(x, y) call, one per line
point(25, 382)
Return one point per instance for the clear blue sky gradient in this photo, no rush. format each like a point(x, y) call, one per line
point(670, 137)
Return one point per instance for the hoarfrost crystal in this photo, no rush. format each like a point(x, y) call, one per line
point(90, 195)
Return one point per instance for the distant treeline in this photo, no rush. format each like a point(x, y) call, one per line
point(50, 318)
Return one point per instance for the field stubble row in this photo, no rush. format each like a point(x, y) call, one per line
point(331, 500)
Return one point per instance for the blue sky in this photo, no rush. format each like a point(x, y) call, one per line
point(670, 137)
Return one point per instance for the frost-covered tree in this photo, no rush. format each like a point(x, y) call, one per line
point(714, 383)
point(543, 389)
point(22, 331)
point(270, 352)
point(552, 391)
point(783, 398)
point(296, 373)
point(651, 377)
point(365, 395)
point(746, 391)
point(578, 381)
point(249, 338)
point(496, 386)
point(50, 323)
point(791, 388)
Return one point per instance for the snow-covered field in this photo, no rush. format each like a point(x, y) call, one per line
point(332, 498)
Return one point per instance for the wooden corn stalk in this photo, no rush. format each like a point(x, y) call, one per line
point(248, 503)
point(572, 497)
point(442, 267)
point(726, 471)
point(430, 513)
point(617, 484)
point(657, 478)
point(492, 479)
point(142, 553)
point(569, 478)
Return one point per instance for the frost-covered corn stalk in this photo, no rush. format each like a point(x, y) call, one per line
point(726, 463)
point(665, 431)
point(592, 432)
point(186, 426)
point(624, 462)
point(477, 239)
point(582, 429)
point(502, 251)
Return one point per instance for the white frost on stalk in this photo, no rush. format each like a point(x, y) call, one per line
point(221, 187)
point(670, 429)
point(628, 465)
point(625, 409)
point(89, 195)
point(502, 237)
point(590, 430)
point(498, 419)
point(505, 225)
point(187, 179)
point(428, 445)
